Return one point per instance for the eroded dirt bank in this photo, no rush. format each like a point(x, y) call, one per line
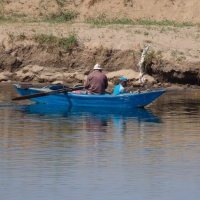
point(39, 64)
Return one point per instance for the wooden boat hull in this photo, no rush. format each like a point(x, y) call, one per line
point(130, 100)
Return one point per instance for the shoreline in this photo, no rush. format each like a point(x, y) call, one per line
point(171, 89)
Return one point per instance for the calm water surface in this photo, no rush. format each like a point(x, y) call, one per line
point(52, 152)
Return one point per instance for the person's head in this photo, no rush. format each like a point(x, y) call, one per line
point(97, 67)
point(123, 81)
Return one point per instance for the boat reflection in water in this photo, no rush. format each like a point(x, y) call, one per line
point(136, 114)
point(93, 122)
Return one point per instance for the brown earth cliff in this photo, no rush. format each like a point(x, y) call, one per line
point(112, 33)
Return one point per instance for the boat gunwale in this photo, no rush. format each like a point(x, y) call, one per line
point(95, 95)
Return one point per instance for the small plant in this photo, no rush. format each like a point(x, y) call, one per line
point(159, 56)
point(102, 35)
point(111, 37)
point(124, 21)
point(138, 32)
point(162, 30)
point(88, 39)
point(9, 19)
point(148, 22)
point(33, 30)
point(70, 42)
point(21, 36)
point(62, 16)
point(60, 2)
point(127, 1)
point(159, 52)
point(102, 20)
point(152, 57)
point(173, 53)
point(197, 36)
point(17, 15)
point(45, 39)
point(148, 41)
point(149, 60)
point(11, 36)
point(2, 18)
point(181, 58)
point(65, 43)
point(176, 53)
point(99, 20)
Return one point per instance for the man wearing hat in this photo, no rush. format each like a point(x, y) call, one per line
point(120, 88)
point(96, 82)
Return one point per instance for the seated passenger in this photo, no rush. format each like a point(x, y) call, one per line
point(97, 81)
point(120, 88)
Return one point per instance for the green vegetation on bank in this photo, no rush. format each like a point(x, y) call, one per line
point(65, 43)
point(103, 20)
point(9, 19)
point(56, 17)
point(51, 41)
point(98, 21)
point(61, 17)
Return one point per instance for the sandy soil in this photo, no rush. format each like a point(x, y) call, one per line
point(173, 10)
point(172, 43)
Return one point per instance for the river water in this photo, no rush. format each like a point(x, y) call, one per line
point(51, 152)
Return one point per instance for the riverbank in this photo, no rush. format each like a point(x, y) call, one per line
point(116, 48)
point(59, 45)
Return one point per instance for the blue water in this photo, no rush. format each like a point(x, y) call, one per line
point(49, 152)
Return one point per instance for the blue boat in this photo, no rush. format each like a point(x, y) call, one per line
point(75, 97)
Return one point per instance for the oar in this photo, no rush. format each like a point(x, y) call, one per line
point(47, 93)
